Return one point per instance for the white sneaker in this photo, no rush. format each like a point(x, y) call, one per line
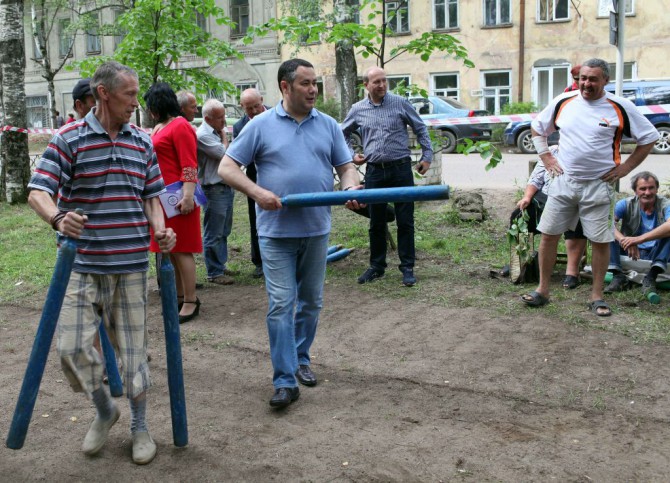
point(144, 448)
point(97, 434)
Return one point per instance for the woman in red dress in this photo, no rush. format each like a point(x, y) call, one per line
point(175, 144)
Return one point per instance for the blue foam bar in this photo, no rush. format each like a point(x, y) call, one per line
point(369, 196)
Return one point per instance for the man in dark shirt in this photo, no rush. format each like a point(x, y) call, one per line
point(382, 119)
point(251, 101)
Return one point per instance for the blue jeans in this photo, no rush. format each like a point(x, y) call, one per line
point(659, 254)
point(294, 270)
point(218, 223)
point(394, 176)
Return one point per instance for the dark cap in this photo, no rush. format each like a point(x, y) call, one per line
point(81, 90)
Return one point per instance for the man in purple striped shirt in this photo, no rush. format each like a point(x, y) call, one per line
point(382, 120)
point(106, 167)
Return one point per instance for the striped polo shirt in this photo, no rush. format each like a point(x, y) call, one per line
point(383, 128)
point(108, 179)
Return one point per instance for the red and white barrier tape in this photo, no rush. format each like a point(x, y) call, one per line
point(657, 109)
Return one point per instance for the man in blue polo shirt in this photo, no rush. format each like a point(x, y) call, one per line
point(295, 148)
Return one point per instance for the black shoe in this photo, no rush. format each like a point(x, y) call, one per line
point(258, 272)
point(408, 278)
point(305, 376)
point(284, 396)
point(648, 285)
point(619, 283)
point(192, 315)
point(370, 274)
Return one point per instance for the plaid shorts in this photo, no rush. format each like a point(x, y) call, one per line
point(120, 301)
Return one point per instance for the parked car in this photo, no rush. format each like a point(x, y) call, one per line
point(436, 107)
point(641, 93)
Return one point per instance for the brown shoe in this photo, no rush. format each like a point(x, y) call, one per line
point(222, 280)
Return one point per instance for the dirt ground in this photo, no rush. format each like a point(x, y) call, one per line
point(408, 391)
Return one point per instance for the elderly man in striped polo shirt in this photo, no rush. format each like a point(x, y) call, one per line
point(107, 167)
point(382, 119)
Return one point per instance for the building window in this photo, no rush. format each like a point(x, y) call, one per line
point(550, 81)
point(120, 32)
point(37, 53)
point(553, 10)
point(496, 90)
point(353, 10)
point(201, 21)
point(397, 16)
point(93, 41)
point(629, 72)
point(445, 85)
point(239, 13)
point(65, 38)
point(37, 111)
point(396, 80)
point(605, 5)
point(497, 12)
point(445, 14)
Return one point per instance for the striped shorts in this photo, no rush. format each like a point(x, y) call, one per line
point(120, 301)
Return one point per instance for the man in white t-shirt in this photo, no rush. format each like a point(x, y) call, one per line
point(592, 123)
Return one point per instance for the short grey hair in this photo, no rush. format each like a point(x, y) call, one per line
point(644, 175)
point(211, 105)
point(598, 64)
point(108, 75)
point(182, 98)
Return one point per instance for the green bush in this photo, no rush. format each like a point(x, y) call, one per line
point(329, 106)
point(518, 108)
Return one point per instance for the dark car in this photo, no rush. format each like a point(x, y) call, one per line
point(435, 107)
point(641, 93)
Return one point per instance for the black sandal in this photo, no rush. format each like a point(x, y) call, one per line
point(570, 281)
point(192, 315)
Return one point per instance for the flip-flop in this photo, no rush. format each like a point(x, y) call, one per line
point(570, 281)
point(534, 299)
point(594, 305)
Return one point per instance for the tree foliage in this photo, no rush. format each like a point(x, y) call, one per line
point(162, 40)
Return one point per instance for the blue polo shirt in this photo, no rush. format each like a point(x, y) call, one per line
point(292, 158)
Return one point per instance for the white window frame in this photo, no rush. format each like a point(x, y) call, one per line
point(396, 79)
point(395, 25)
point(497, 94)
point(452, 92)
point(631, 67)
point(553, 4)
point(604, 7)
point(498, 20)
point(93, 38)
point(447, 19)
point(552, 92)
point(38, 107)
point(62, 48)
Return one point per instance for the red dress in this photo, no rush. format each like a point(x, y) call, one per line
point(176, 147)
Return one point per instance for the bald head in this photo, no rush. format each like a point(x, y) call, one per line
point(375, 83)
point(251, 101)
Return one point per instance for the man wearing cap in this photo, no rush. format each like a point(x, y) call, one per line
point(83, 97)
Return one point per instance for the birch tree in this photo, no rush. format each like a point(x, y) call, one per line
point(14, 159)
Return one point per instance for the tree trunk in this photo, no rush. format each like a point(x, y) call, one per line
point(346, 72)
point(345, 61)
point(14, 158)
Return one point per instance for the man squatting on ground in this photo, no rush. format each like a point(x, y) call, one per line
point(107, 167)
point(295, 148)
point(382, 119)
point(644, 233)
point(592, 123)
point(218, 219)
point(251, 101)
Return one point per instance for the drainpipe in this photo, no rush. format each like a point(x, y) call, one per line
point(522, 40)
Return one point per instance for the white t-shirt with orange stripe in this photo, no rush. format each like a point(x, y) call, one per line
point(591, 132)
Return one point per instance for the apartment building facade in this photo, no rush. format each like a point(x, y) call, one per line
point(522, 49)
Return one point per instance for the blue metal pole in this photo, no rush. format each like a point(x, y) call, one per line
point(42, 344)
point(369, 196)
point(339, 255)
point(333, 249)
point(115, 384)
point(173, 352)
